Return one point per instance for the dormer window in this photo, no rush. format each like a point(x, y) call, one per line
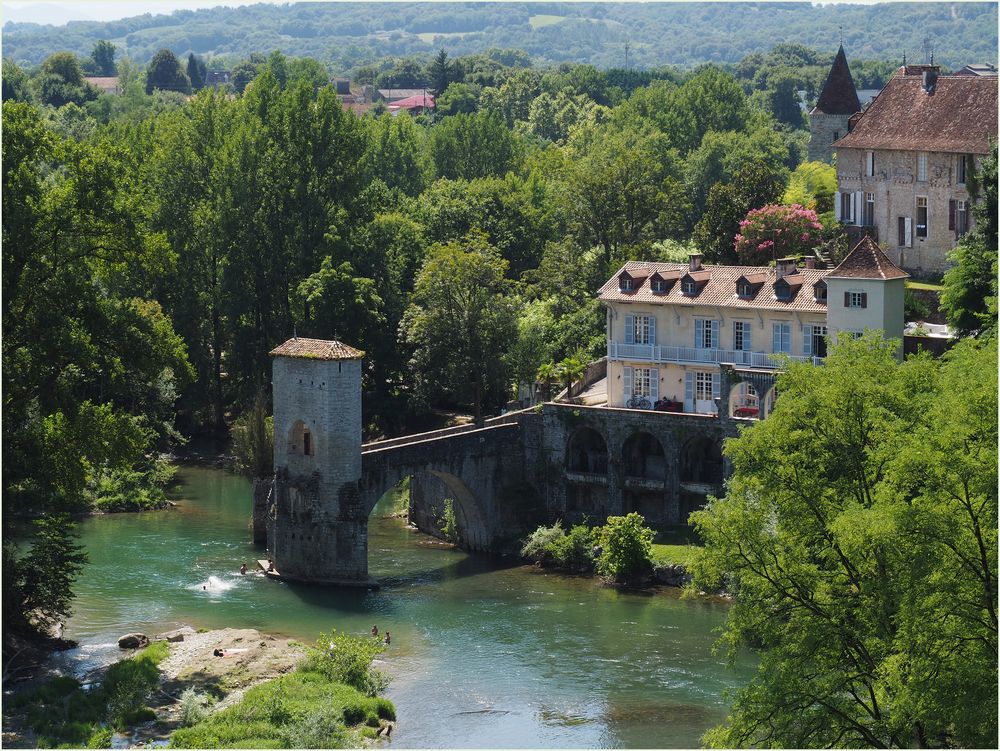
point(658, 285)
point(819, 291)
point(625, 284)
point(744, 290)
point(782, 291)
point(689, 287)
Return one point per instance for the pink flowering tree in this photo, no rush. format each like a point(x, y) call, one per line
point(777, 231)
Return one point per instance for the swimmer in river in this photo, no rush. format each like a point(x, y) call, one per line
point(375, 631)
point(204, 588)
point(387, 639)
point(243, 568)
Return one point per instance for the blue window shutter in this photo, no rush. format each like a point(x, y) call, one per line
point(689, 387)
point(652, 329)
point(716, 385)
point(807, 340)
point(630, 330)
point(775, 337)
point(654, 384)
point(715, 334)
point(699, 333)
point(627, 378)
point(747, 345)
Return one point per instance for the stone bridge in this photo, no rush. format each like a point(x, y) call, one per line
point(556, 461)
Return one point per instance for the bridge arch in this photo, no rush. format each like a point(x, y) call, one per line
point(643, 457)
point(587, 452)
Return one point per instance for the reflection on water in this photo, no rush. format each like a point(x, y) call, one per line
point(484, 653)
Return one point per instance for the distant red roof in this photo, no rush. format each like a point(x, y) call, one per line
point(107, 84)
point(412, 102)
point(960, 117)
point(316, 349)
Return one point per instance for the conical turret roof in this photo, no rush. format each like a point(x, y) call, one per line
point(839, 96)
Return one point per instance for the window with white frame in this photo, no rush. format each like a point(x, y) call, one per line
point(703, 390)
point(658, 285)
point(857, 299)
point(625, 284)
point(641, 381)
point(960, 166)
point(741, 335)
point(819, 341)
point(782, 338)
point(641, 330)
point(961, 218)
point(870, 161)
point(819, 291)
point(706, 333)
point(922, 168)
point(869, 218)
point(689, 287)
point(921, 216)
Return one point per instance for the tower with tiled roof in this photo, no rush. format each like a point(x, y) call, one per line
point(315, 532)
point(837, 102)
point(866, 292)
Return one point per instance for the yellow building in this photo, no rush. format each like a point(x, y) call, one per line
point(670, 326)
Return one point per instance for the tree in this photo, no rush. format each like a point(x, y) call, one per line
point(15, 82)
point(246, 70)
point(471, 146)
point(459, 98)
point(60, 80)
point(626, 546)
point(103, 57)
point(858, 533)
point(777, 231)
point(813, 185)
point(969, 299)
point(197, 71)
point(441, 73)
point(754, 185)
point(396, 153)
point(165, 72)
point(460, 325)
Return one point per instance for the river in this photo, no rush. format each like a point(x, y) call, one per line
point(482, 655)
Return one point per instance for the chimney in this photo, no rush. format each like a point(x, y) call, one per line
point(784, 267)
point(694, 261)
point(930, 80)
point(810, 262)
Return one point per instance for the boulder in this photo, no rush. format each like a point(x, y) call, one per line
point(133, 641)
point(672, 575)
point(177, 634)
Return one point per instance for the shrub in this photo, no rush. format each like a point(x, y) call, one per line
point(100, 738)
point(625, 548)
point(449, 522)
point(575, 549)
point(320, 728)
point(777, 231)
point(192, 707)
point(347, 659)
point(538, 545)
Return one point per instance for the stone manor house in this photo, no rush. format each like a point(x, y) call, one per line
point(904, 162)
point(671, 327)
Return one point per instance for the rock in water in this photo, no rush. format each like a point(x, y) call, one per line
point(133, 641)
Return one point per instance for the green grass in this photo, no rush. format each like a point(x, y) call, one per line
point(927, 286)
point(541, 20)
point(681, 555)
point(63, 715)
point(303, 709)
point(429, 36)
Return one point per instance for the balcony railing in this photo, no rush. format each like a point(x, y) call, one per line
point(656, 354)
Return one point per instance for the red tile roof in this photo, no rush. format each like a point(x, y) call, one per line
point(719, 287)
point(959, 117)
point(316, 349)
point(839, 95)
point(867, 261)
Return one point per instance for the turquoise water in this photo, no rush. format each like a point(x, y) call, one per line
point(482, 655)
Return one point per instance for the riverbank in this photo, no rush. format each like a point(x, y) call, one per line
point(190, 679)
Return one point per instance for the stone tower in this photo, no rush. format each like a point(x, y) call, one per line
point(837, 102)
point(316, 528)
